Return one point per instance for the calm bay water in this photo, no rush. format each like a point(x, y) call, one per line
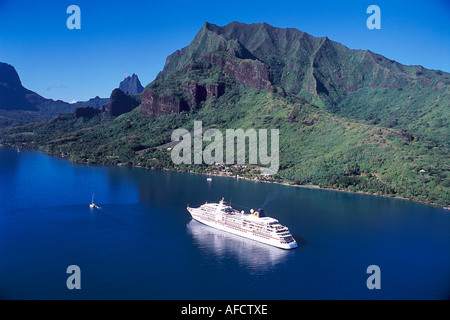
point(142, 243)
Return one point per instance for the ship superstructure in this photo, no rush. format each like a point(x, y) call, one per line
point(253, 225)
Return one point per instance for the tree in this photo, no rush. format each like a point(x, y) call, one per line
point(352, 169)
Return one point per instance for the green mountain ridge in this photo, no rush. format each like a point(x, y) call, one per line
point(348, 119)
point(331, 75)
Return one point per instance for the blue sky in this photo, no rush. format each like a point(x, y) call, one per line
point(124, 37)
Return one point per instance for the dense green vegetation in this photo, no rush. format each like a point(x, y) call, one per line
point(316, 147)
point(356, 84)
point(349, 120)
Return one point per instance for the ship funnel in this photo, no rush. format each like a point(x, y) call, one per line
point(259, 213)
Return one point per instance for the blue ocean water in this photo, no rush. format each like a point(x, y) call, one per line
point(142, 243)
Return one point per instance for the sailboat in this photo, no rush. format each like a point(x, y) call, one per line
point(93, 205)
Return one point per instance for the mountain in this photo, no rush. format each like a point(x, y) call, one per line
point(96, 102)
point(19, 105)
point(13, 96)
point(117, 104)
point(348, 119)
point(131, 85)
point(357, 84)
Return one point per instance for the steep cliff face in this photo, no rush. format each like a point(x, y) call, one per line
point(193, 95)
point(224, 52)
point(249, 73)
point(259, 55)
point(120, 103)
point(357, 84)
point(198, 93)
point(155, 105)
point(214, 90)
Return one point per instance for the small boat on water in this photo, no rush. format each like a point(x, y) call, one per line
point(209, 179)
point(92, 205)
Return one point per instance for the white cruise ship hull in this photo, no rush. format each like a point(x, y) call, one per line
point(249, 234)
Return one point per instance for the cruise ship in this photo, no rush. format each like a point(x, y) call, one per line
point(253, 225)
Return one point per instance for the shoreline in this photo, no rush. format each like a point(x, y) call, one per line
point(309, 186)
point(315, 187)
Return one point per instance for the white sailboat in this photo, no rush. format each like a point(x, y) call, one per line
point(93, 205)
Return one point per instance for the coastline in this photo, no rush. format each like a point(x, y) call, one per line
point(305, 186)
point(315, 187)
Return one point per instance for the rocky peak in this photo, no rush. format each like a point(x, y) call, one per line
point(131, 85)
